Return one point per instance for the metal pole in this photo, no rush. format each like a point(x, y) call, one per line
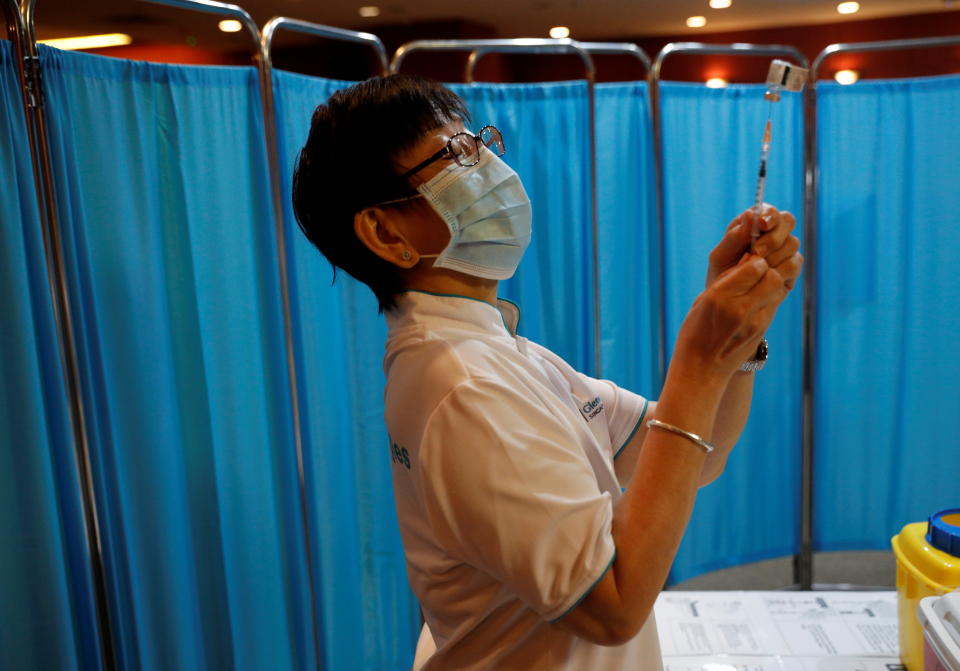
point(273, 158)
point(804, 573)
point(803, 562)
point(478, 49)
point(262, 44)
point(219, 8)
point(21, 28)
point(659, 246)
point(338, 34)
point(890, 45)
point(617, 49)
point(630, 49)
point(526, 45)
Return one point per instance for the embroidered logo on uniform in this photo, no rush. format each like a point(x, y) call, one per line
point(399, 455)
point(591, 409)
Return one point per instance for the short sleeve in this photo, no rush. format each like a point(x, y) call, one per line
point(508, 490)
point(625, 411)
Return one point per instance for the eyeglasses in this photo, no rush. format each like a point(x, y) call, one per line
point(464, 148)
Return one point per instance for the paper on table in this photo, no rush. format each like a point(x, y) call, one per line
point(705, 623)
point(855, 624)
point(844, 623)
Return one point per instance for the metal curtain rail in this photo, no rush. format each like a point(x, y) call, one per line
point(811, 196)
point(273, 158)
point(618, 49)
point(630, 49)
point(478, 49)
point(803, 562)
point(605, 48)
point(219, 8)
point(339, 34)
point(266, 92)
point(20, 27)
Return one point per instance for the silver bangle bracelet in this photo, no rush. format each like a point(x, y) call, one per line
point(707, 447)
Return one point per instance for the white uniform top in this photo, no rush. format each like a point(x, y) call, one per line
point(504, 483)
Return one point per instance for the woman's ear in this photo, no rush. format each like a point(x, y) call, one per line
point(376, 230)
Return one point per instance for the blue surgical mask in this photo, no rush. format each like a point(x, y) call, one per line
point(488, 214)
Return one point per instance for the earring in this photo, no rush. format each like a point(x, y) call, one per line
point(405, 255)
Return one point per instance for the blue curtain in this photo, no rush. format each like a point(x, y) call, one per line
point(164, 201)
point(546, 131)
point(370, 618)
point(711, 140)
point(47, 618)
point(888, 309)
point(627, 216)
point(546, 134)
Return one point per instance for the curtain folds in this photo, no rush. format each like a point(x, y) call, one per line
point(711, 140)
point(163, 196)
point(370, 618)
point(888, 307)
point(627, 214)
point(47, 612)
point(546, 135)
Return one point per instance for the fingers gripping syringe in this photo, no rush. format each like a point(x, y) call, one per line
point(782, 76)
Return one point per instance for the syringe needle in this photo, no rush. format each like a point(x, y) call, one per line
point(761, 183)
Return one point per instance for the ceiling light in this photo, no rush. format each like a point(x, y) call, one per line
point(230, 26)
point(369, 11)
point(720, 4)
point(847, 77)
point(848, 7)
point(716, 83)
point(89, 41)
point(696, 22)
point(559, 32)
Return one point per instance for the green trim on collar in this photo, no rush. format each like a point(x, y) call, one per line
point(469, 298)
point(516, 327)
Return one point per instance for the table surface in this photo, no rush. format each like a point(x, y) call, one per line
point(778, 631)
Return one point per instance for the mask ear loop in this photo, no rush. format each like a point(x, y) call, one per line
point(406, 254)
point(444, 174)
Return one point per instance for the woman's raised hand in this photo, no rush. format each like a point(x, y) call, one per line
point(727, 321)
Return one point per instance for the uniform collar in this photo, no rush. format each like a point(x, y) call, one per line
point(415, 306)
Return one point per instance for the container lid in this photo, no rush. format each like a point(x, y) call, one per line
point(940, 620)
point(943, 531)
point(936, 566)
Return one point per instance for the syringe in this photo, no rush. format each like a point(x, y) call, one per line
point(761, 183)
point(782, 76)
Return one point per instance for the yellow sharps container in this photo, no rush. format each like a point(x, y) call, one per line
point(928, 564)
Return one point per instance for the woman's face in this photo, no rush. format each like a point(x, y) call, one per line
point(421, 225)
point(432, 142)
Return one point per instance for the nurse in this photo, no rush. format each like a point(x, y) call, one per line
point(540, 509)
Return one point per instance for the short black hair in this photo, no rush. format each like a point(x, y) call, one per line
point(348, 163)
